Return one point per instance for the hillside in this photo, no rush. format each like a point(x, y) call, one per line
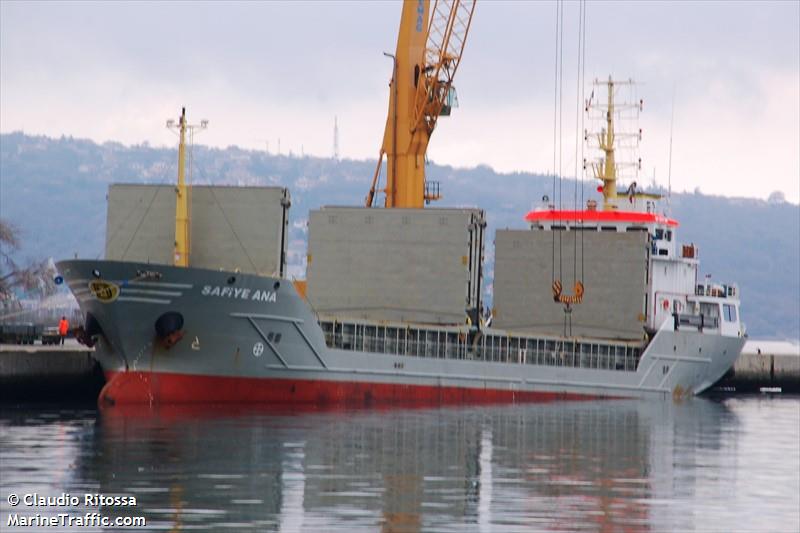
point(54, 190)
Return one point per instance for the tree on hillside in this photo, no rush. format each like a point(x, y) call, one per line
point(776, 197)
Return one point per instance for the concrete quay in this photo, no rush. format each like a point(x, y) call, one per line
point(765, 365)
point(36, 373)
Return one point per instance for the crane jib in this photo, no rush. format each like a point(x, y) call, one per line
point(429, 48)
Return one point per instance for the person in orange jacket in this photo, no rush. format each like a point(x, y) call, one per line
point(63, 328)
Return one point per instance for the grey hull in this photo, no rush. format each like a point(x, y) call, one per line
point(259, 331)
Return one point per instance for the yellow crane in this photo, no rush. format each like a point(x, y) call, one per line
point(429, 49)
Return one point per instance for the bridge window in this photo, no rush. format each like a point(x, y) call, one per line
point(710, 312)
point(730, 312)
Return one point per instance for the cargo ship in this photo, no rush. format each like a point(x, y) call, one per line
point(391, 310)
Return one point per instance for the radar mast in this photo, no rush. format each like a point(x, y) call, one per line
point(618, 130)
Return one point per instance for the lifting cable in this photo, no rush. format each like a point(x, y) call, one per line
point(560, 133)
point(557, 287)
point(583, 116)
point(575, 205)
point(555, 136)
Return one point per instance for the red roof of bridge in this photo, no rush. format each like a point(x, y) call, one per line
point(630, 217)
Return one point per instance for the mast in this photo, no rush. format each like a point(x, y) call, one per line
point(182, 221)
point(182, 205)
point(609, 175)
point(608, 138)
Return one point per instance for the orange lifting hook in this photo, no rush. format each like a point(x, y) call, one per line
point(564, 299)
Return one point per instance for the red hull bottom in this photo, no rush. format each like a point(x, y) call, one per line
point(127, 388)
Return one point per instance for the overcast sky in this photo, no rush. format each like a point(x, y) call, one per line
point(260, 72)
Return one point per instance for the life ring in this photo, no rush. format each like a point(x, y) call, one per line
point(665, 305)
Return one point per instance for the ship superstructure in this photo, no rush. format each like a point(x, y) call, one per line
point(634, 274)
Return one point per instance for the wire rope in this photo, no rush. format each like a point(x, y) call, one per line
point(141, 221)
point(560, 134)
point(555, 137)
point(583, 99)
point(230, 226)
point(577, 134)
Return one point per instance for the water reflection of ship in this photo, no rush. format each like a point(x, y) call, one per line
point(408, 470)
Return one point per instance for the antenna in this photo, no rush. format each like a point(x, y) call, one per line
point(613, 138)
point(335, 138)
point(618, 145)
point(669, 171)
point(264, 143)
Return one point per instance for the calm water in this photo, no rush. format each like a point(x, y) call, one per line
point(702, 465)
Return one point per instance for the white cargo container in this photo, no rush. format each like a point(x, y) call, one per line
point(231, 228)
point(411, 265)
point(614, 271)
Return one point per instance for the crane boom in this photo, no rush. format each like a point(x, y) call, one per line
point(447, 35)
point(429, 49)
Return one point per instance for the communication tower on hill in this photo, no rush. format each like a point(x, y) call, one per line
point(335, 138)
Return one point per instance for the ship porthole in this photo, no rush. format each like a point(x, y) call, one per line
point(96, 273)
point(231, 280)
point(277, 285)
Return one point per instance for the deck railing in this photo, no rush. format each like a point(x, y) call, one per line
point(459, 343)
